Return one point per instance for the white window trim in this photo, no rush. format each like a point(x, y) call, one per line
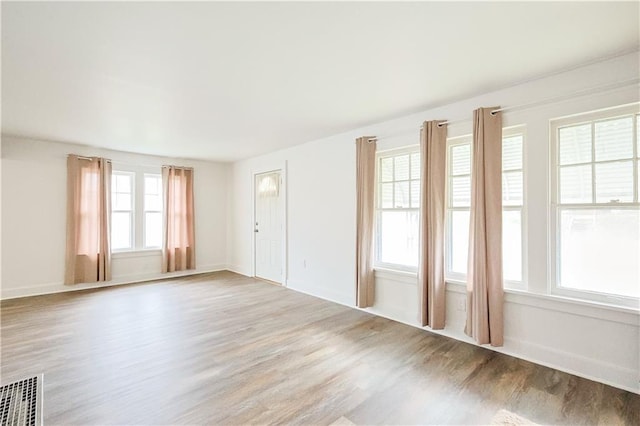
point(132, 212)
point(555, 208)
point(377, 264)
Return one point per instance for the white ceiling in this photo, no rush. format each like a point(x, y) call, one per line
point(225, 81)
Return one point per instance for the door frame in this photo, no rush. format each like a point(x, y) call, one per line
point(282, 168)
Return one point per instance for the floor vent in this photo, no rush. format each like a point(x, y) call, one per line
point(21, 402)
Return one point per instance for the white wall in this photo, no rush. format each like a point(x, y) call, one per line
point(34, 217)
point(593, 341)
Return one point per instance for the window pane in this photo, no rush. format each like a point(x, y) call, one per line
point(614, 139)
point(121, 202)
point(401, 194)
point(512, 152)
point(386, 169)
point(575, 144)
point(459, 241)
point(152, 229)
point(151, 185)
point(386, 196)
point(512, 245)
point(415, 193)
point(399, 237)
point(123, 183)
point(460, 194)
point(461, 159)
point(575, 184)
point(415, 166)
point(599, 250)
point(120, 230)
point(401, 169)
point(152, 202)
point(614, 182)
point(512, 188)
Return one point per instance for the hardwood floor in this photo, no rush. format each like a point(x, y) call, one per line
point(224, 349)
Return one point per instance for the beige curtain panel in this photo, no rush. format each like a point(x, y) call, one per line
point(485, 293)
point(431, 284)
point(178, 250)
point(365, 193)
point(88, 253)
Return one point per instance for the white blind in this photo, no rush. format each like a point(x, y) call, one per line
point(512, 153)
point(401, 167)
point(512, 178)
point(386, 169)
point(461, 159)
point(614, 139)
point(415, 166)
point(575, 144)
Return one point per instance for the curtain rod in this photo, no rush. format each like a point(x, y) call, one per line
point(82, 157)
point(579, 93)
point(558, 98)
point(124, 163)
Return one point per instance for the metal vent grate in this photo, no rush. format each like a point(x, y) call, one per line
point(21, 403)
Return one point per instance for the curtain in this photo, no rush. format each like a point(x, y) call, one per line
point(484, 277)
point(88, 253)
point(365, 192)
point(178, 249)
point(431, 284)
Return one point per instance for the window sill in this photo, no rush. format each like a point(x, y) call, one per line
point(136, 253)
point(404, 277)
point(582, 307)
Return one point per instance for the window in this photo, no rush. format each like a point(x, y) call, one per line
point(458, 206)
point(595, 209)
point(459, 203)
point(512, 204)
point(122, 210)
point(152, 211)
point(397, 209)
point(136, 221)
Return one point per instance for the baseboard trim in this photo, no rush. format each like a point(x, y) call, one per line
point(238, 270)
point(322, 293)
point(60, 287)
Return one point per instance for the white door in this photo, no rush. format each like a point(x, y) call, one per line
point(268, 226)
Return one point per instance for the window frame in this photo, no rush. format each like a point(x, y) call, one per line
point(449, 274)
point(511, 131)
point(145, 210)
point(377, 263)
point(138, 208)
point(556, 207)
point(132, 211)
